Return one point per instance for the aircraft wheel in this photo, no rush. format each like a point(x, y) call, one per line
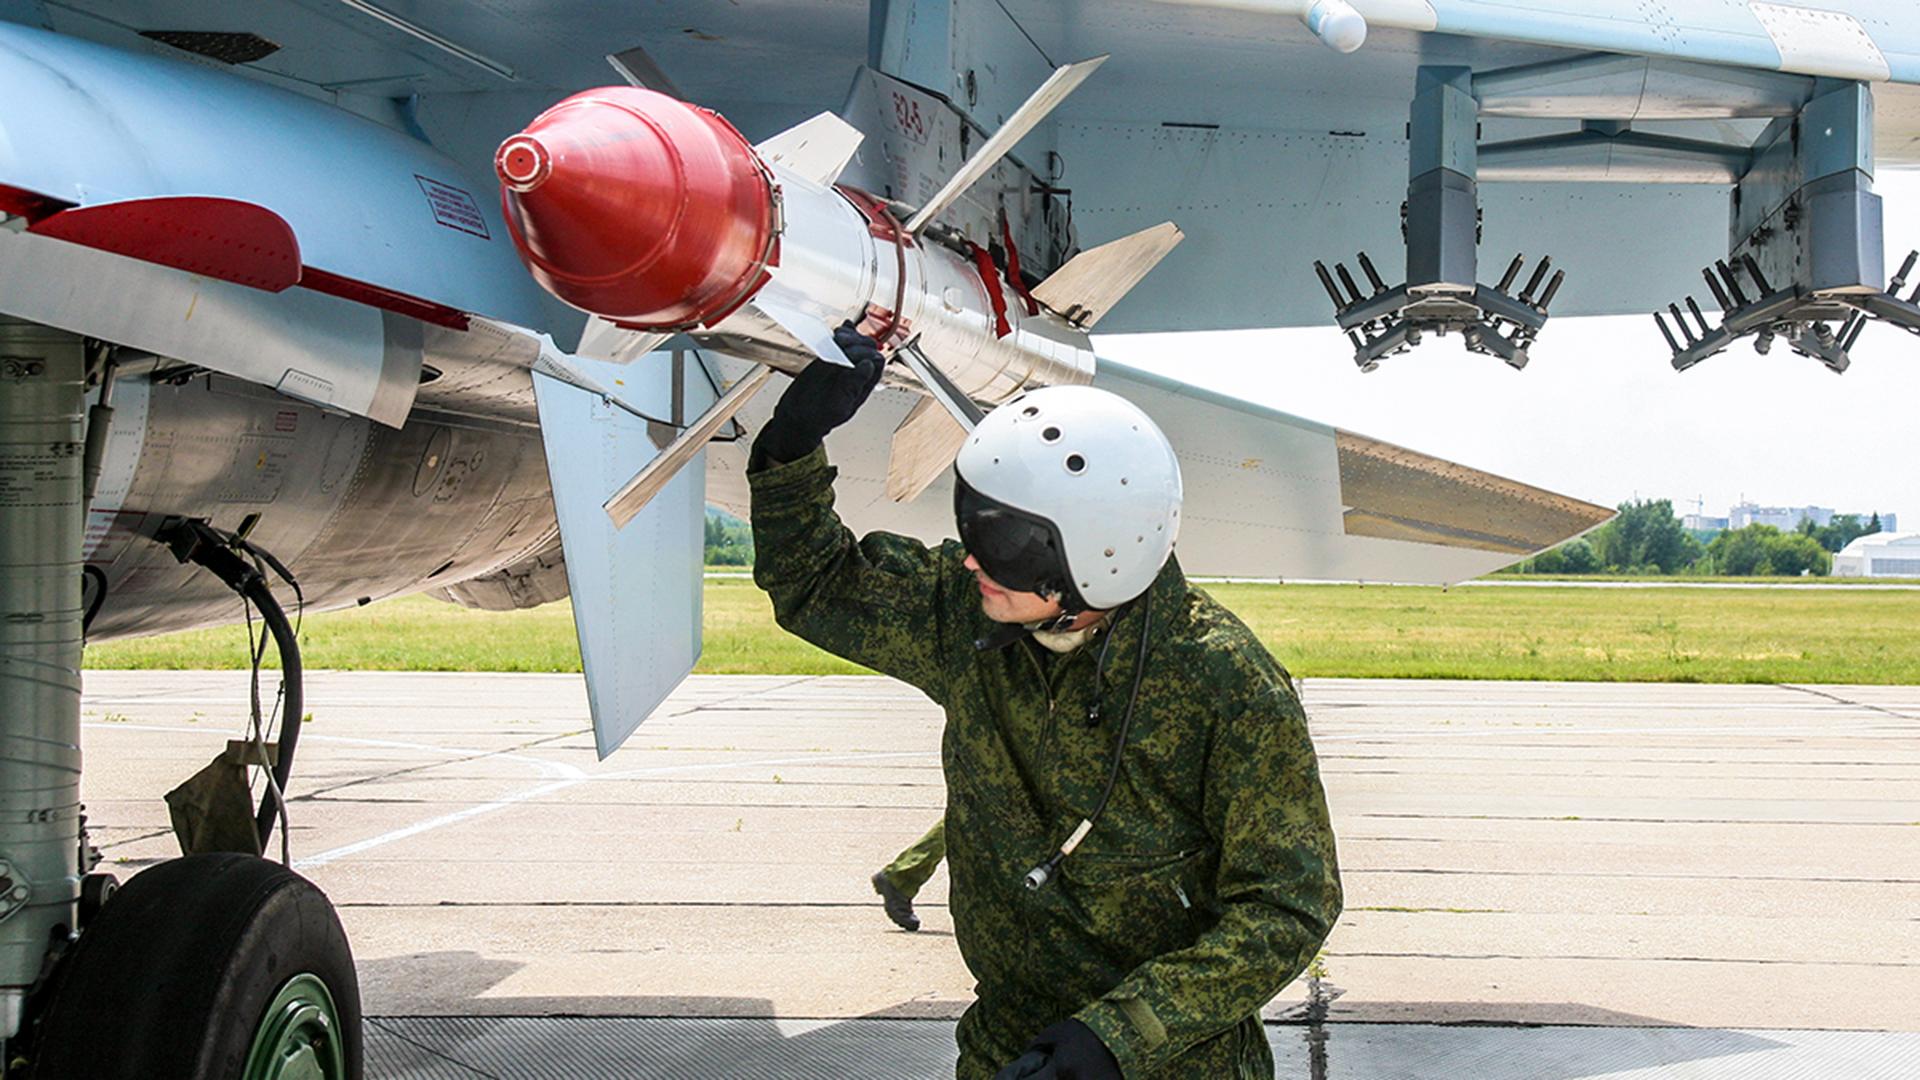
point(207, 967)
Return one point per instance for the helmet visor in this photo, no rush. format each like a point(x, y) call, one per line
point(1019, 551)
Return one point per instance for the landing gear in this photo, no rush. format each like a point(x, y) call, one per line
point(219, 966)
point(209, 967)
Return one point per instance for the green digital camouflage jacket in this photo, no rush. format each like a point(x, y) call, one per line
point(1209, 883)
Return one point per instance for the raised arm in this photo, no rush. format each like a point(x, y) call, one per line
point(875, 601)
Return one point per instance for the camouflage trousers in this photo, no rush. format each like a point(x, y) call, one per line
point(912, 867)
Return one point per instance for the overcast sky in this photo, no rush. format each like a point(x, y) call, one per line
point(1599, 413)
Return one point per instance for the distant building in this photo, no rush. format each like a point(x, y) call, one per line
point(1883, 554)
point(1784, 518)
point(1703, 523)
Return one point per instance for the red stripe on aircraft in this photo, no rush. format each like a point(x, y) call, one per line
point(226, 239)
point(361, 292)
point(31, 205)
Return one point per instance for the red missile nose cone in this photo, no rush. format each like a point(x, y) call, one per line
point(523, 163)
point(639, 208)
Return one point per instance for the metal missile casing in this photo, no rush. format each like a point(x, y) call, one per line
point(836, 265)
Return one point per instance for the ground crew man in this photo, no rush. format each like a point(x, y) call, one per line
point(1137, 837)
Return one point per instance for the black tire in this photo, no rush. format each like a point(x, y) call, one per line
point(172, 977)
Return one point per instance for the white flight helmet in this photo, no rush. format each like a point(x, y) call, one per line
point(1069, 492)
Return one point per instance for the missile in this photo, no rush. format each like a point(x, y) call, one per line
point(658, 217)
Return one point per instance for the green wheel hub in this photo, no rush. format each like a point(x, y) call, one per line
point(299, 1035)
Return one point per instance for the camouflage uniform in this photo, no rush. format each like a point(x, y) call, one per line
point(1209, 883)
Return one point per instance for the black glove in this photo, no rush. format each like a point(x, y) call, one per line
point(821, 398)
point(1069, 1050)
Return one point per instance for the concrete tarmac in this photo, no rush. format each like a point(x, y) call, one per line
point(1738, 858)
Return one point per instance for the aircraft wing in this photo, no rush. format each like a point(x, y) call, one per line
point(1268, 495)
point(1843, 39)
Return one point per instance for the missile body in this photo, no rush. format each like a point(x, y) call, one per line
point(658, 216)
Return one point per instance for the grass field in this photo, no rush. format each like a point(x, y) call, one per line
point(1639, 635)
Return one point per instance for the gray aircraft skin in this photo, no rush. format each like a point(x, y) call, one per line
point(255, 275)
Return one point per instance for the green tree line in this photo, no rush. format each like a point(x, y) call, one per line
point(729, 540)
point(1646, 538)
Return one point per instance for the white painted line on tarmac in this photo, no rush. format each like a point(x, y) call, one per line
point(541, 765)
point(502, 803)
point(1876, 732)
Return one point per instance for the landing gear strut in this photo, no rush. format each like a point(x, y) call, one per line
point(209, 967)
point(42, 409)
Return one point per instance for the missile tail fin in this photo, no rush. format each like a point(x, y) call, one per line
point(1062, 82)
point(924, 445)
point(1092, 282)
point(807, 330)
point(816, 150)
point(636, 493)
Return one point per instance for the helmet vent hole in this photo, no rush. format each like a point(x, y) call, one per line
point(1030, 411)
point(1076, 464)
point(1051, 434)
point(1109, 553)
point(1123, 481)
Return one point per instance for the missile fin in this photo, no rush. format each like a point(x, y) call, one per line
point(636, 493)
point(816, 150)
point(638, 68)
point(1062, 82)
point(1092, 282)
point(962, 408)
point(810, 332)
point(924, 444)
point(611, 342)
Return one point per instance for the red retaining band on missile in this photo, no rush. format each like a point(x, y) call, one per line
point(1013, 266)
point(990, 277)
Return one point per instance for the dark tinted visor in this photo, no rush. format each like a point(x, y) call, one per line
point(1018, 550)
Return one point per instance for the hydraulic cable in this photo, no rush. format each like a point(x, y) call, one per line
point(238, 563)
